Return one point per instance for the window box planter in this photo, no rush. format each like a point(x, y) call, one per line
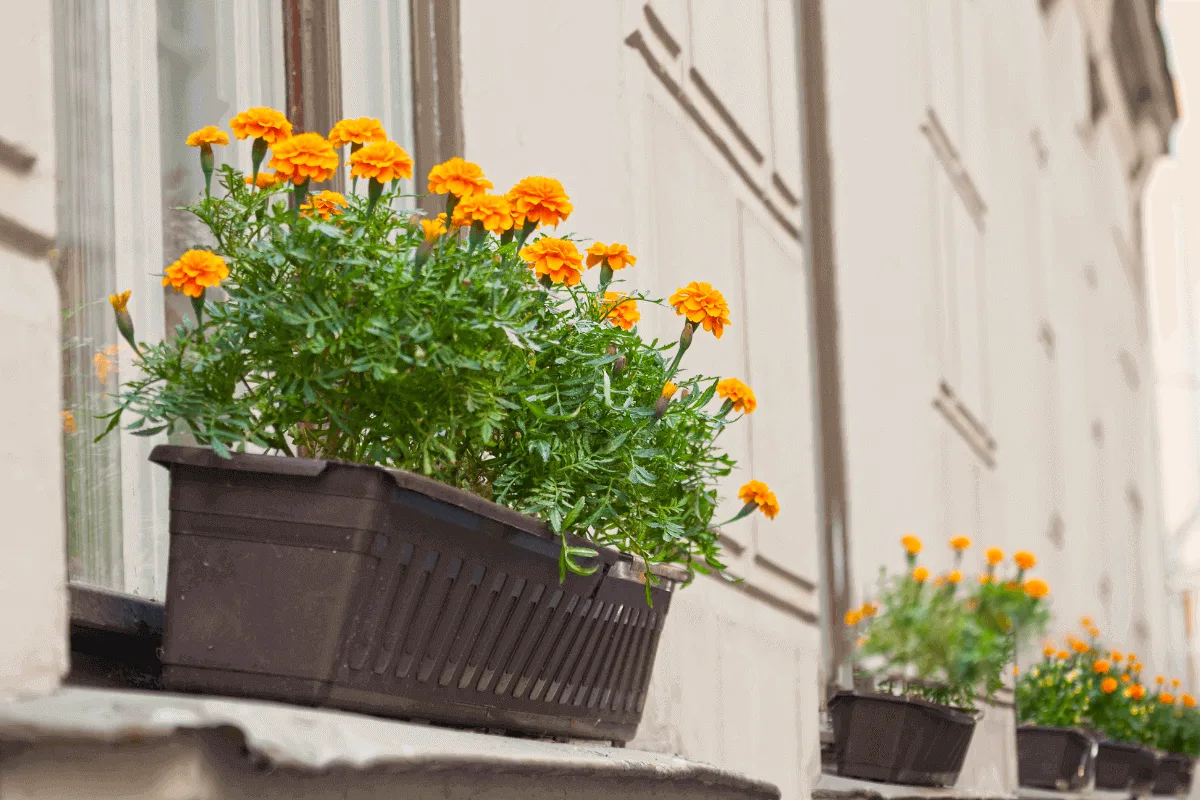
point(1062, 759)
point(1173, 774)
point(1122, 766)
point(881, 737)
point(362, 588)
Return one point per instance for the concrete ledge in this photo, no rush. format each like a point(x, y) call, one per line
point(314, 741)
point(835, 787)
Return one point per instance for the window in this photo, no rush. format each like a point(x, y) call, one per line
point(132, 79)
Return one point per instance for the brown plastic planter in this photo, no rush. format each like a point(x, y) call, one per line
point(1062, 759)
point(1122, 766)
point(1173, 774)
point(881, 737)
point(376, 590)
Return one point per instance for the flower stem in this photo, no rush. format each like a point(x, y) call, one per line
point(299, 192)
point(374, 192)
point(746, 511)
point(206, 166)
point(257, 154)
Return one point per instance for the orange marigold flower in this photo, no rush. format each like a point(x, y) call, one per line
point(985, 579)
point(920, 574)
point(1189, 701)
point(1016, 670)
point(668, 391)
point(1037, 588)
point(1094, 632)
point(435, 227)
point(557, 258)
point(305, 157)
point(1159, 679)
point(491, 210)
point(363, 130)
point(120, 300)
point(954, 577)
point(1078, 646)
point(1024, 559)
point(195, 270)
point(912, 544)
point(1125, 678)
point(1137, 691)
point(1048, 650)
point(102, 366)
point(1062, 654)
point(622, 310)
point(860, 641)
point(261, 123)
point(994, 555)
point(702, 305)
point(853, 618)
point(616, 255)
point(1108, 685)
point(868, 610)
point(761, 494)
point(1101, 666)
point(960, 542)
point(68, 422)
point(457, 177)
point(541, 200)
point(326, 204)
point(1166, 698)
point(1115, 655)
point(384, 161)
point(1174, 683)
point(1136, 668)
point(738, 393)
point(209, 134)
point(1086, 622)
point(265, 180)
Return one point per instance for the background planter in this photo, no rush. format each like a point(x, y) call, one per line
point(377, 590)
point(1063, 759)
point(1122, 766)
point(882, 737)
point(1173, 774)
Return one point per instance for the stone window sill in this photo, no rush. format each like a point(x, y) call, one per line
point(835, 787)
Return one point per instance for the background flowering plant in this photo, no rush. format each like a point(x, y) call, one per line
point(465, 347)
point(925, 639)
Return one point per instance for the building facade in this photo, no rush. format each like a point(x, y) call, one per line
point(927, 227)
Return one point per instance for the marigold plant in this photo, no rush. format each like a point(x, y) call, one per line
point(478, 356)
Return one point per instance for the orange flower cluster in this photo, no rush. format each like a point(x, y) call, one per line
point(539, 200)
point(261, 123)
point(305, 157)
point(912, 544)
point(194, 271)
point(760, 494)
point(382, 161)
point(457, 177)
point(616, 255)
point(622, 310)
point(363, 130)
point(208, 135)
point(702, 305)
point(490, 210)
point(325, 204)
point(433, 228)
point(558, 259)
point(738, 394)
point(960, 543)
point(265, 180)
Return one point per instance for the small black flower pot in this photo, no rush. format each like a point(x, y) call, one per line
point(882, 737)
point(1173, 774)
point(376, 590)
point(1062, 759)
point(1122, 766)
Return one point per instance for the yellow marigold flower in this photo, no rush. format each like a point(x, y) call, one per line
point(994, 555)
point(1189, 701)
point(209, 134)
point(668, 391)
point(261, 123)
point(1086, 622)
point(1101, 666)
point(120, 300)
point(1136, 668)
point(1132, 657)
point(912, 544)
point(102, 366)
point(195, 270)
point(960, 543)
point(1159, 679)
point(68, 422)
point(1037, 588)
point(457, 177)
point(738, 393)
point(1174, 683)
point(759, 493)
point(1048, 650)
point(853, 618)
point(1016, 670)
point(920, 574)
point(1137, 691)
point(702, 305)
point(489, 209)
point(1108, 685)
point(1166, 698)
point(1079, 647)
point(616, 255)
point(435, 227)
point(1024, 559)
point(305, 157)
point(954, 577)
point(1062, 654)
point(1094, 632)
point(1115, 655)
point(1125, 678)
point(868, 610)
point(363, 130)
point(557, 258)
point(326, 204)
point(540, 200)
point(383, 161)
point(265, 180)
point(622, 310)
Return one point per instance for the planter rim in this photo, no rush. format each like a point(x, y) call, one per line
point(953, 713)
point(1029, 726)
point(203, 457)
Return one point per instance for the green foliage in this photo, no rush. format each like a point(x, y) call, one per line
point(1053, 693)
point(353, 339)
